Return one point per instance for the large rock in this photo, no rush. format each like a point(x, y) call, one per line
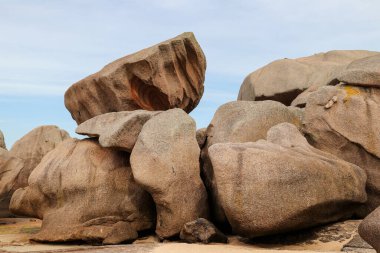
point(10, 168)
point(283, 184)
point(345, 121)
point(2, 141)
point(203, 231)
point(240, 121)
point(167, 75)
point(82, 191)
point(116, 129)
point(283, 80)
point(33, 146)
point(362, 72)
point(369, 229)
point(165, 162)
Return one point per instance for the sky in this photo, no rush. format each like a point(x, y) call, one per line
point(46, 46)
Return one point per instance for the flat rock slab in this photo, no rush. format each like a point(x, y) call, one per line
point(14, 233)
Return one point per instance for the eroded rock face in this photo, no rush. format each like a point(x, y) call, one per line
point(10, 168)
point(369, 229)
point(283, 80)
point(167, 75)
point(283, 184)
point(203, 231)
point(240, 121)
point(82, 191)
point(2, 141)
point(362, 72)
point(165, 162)
point(33, 146)
point(116, 129)
point(345, 121)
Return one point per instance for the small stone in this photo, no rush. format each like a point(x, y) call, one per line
point(201, 230)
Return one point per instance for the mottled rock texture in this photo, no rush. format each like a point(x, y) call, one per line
point(283, 184)
point(167, 75)
point(348, 128)
point(369, 229)
point(283, 80)
point(83, 191)
point(165, 162)
point(203, 231)
point(116, 129)
point(240, 121)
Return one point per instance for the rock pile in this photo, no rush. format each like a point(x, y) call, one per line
point(259, 168)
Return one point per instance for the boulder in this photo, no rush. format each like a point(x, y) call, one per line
point(201, 136)
point(2, 141)
point(240, 121)
point(116, 129)
point(283, 80)
point(344, 120)
point(283, 184)
point(165, 162)
point(83, 191)
point(203, 231)
point(369, 229)
point(362, 72)
point(10, 168)
point(33, 146)
point(167, 75)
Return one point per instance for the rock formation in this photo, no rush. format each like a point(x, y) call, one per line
point(167, 75)
point(116, 129)
point(85, 192)
point(165, 162)
point(344, 120)
point(283, 184)
point(33, 146)
point(369, 229)
point(283, 80)
point(201, 136)
point(2, 141)
point(203, 231)
point(240, 121)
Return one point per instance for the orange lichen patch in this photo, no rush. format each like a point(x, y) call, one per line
point(350, 91)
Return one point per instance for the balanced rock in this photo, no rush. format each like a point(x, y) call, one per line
point(10, 168)
point(203, 231)
point(83, 191)
point(167, 75)
point(33, 146)
point(241, 121)
point(165, 162)
point(2, 141)
point(116, 129)
point(369, 229)
point(283, 184)
point(344, 120)
point(283, 80)
point(362, 72)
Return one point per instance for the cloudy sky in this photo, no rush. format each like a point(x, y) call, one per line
point(45, 46)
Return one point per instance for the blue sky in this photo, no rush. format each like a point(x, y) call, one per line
point(45, 46)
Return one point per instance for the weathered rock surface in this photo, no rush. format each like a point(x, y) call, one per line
point(345, 121)
point(369, 229)
point(116, 129)
point(84, 192)
point(2, 141)
point(33, 146)
point(167, 75)
point(10, 168)
point(241, 121)
point(283, 80)
point(283, 184)
point(201, 230)
point(165, 162)
point(362, 72)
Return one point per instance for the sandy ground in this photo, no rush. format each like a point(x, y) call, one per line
point(14, 234)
